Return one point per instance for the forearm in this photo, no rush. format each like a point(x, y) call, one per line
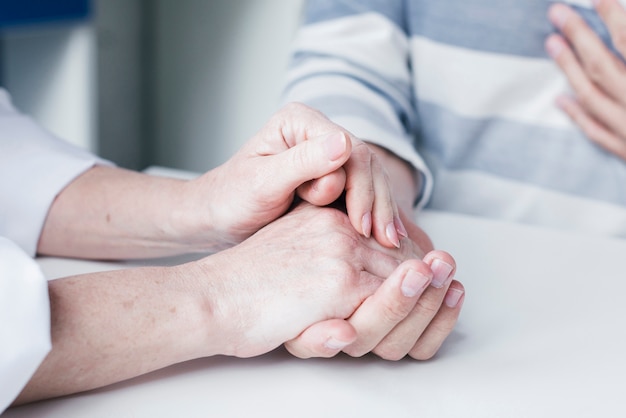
point(110, 213)
point(111, 326)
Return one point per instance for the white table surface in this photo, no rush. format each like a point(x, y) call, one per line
point(541, 335)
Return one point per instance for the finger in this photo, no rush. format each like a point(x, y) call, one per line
point(402, 339)
point(297, 123)
point(614, 15)
point(592, 129)
point(443, 266)
point(378, 261)
point(389, 305)
point(421, 242)
point(323, 339)
point(306, 161)
point(325, 190)
point(441, 325)
point(360, 188)
point(600, 65)
point(387, 226)
point(593, 100)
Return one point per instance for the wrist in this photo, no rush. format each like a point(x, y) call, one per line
point(203, 294)
point(220, 310)
point(193, 217)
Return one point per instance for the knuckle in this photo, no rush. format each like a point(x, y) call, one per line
point(586, 95)
point(355, 351)
point(393, 312)
point(595, 67)
point(362, 151)
point(443, 328)
point(422, 353)
point(294, 107)
point(345, 275)
point(302, 110)
point(427, 308)
point(300, 159)
point(437, 334)
point(390, 352)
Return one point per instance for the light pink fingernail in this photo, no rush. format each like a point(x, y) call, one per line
point(414, 283)
point(335, 145)
point(392, 234)
point(334, 344)
point(453, 296)
point(441, 273)
point(558, 15)
point(400, 227)
point(366, 224)
point(554, 47)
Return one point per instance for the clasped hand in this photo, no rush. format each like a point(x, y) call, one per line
point(351, 292)
point(298, 151)
point(360, 296)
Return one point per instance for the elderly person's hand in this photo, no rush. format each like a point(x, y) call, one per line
point(596, 74)
point(413, 311)
point(309, 266)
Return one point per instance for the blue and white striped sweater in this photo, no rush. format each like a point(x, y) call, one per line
point(464, 90)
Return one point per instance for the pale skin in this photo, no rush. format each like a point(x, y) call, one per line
point(361, 294)
point(226, 205)
point(597, 76)
point(384, 326)
point(112, 326)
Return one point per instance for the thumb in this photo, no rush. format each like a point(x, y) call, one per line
point(322, 339)
point(309, 160)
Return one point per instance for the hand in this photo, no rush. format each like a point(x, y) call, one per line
point(308, 266)
point(597, 76)
point(301, 151)
point(399, 319)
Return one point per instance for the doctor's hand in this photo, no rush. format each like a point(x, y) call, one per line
point(412, 312)
point(112, 213)
point(597, 75)
point(300, 152)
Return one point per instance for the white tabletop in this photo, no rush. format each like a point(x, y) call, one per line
point(541, 335)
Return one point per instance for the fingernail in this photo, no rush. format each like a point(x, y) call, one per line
point(558, 15)
point(400, 227)
point(334, 344)
point(453, 296)
point(392, 235)
point(335, 145)
point(554, 46)
point(441, 273)
point(366, 224)
point(413, 283)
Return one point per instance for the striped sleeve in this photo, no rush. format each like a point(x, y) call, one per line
point(350, 60)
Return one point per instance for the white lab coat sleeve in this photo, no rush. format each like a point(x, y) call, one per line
point(34, 167)
point(24, 320)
